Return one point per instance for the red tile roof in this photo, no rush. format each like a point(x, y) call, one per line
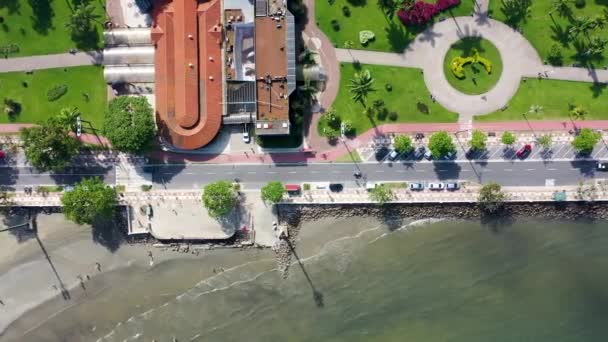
point(188, 71)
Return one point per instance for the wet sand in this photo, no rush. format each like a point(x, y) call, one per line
point(128, 284)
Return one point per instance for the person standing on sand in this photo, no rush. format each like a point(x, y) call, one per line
point(98, 266)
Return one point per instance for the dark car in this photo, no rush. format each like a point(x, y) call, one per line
point(524, 151)
point(381, 153)
point(419, 152)
point(602, 166)
point(452, 186)
point(416, 186)
point(336, 187)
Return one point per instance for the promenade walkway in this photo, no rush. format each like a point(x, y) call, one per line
point(62, 60)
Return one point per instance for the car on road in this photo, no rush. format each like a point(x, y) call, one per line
point(336, 187)
point(393, 155)
point(452, 186)
point(419, 152)
point(416, 186)
point(524, 151)
point(602, 165)
point(246, 136)
point(436, 186)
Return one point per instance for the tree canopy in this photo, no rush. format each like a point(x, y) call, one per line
point(491, 198)
point(440, 144)
point(403, 143)
point(545, 141)
point(585, 140)
point(81, 19)
point(219, 198)
point(273, 192)
point(90, 199)
point(49, 147)
point(129, 124)
point(478, 140)
point(381, 194)
point(507, 138)
point(360, 85)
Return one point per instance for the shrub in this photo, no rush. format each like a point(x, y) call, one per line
point(382, 113)
point(146, 187)
point(335, 25)
point(347, 127)
point(555, 55)
point(579, 3)
point(366, 36)
point(422, 12)
point(346, 11)
point(393, 116)
point(56, 92)
point(458, 63)
point(388, 87)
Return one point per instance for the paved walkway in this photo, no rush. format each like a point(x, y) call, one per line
point(50, 61)
point(428, 51)
point(316, 41)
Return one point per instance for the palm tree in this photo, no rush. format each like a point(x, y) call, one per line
point(67, 117)
point(349, 44)
point(535, 109)
point(562, 7)
point(360, 85)
point(580, 25)
point(390, 7)
point(307, 57)
point(578, 112)
point(81, 18)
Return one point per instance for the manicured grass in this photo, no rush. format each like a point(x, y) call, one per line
point(409, 98)
point(35, 106)
point(555, 98)
point(38, 27)
point(543, 30)
point(476, 80)
point(391, 34)
point(351, 157)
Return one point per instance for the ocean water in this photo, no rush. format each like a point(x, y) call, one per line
point(359, 280)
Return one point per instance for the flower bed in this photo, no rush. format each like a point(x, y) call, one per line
point(422, 12)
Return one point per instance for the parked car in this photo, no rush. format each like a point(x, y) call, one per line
point(450, 155)
point(2, 154)
point(428, 155)
point(602, 166)
point(416, 186)
point(381, 153)
point(524, 151)
point(336, 187)
point(419, 152)
point(452, 186)
point(393, 155)
point(246, 136)
point(436, 186)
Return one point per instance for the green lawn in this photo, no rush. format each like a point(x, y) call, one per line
point(391, 34)
point(554, 97)
point(35, 106)
point(476, 80)
point(543, 30)
point(37, 26)
point(409, 98)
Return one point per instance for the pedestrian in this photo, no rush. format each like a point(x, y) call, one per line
point(1, 302)
point(98, 265)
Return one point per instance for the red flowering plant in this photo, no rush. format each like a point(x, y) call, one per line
point(422, 12)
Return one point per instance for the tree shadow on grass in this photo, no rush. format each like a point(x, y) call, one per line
point(466, 46)
point(398, 37)
point(88, 40)
point(597, 89)
point(42, 15)
point(12, 6)
point(560, 34)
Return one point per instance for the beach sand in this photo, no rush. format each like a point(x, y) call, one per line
point(126, 277)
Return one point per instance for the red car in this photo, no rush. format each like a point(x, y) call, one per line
point(524, 151)
point(2, 154)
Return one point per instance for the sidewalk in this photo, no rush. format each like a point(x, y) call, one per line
point(62, 60)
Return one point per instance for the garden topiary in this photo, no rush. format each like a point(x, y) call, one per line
point(388, 87)
point(346, 11)
point(393, 116)
point(335, 25)
point(366, 36)
point(579, 3)
point(458, 63)
point(56, 92)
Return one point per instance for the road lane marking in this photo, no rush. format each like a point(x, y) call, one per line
point(314, 172)
point(508, 169)
point(271, 172)
point(335, 172)
point(210, 173)
point(442, 170)
point(552, 169)
point(251, 172)
point(292, 172)
point(379, 171)
point(530, 169)
point(420, 171)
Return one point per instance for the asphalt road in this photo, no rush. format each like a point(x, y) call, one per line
point(194, 176)
point(508, 173)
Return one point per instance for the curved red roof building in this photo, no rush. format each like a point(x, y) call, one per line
point(188, 71)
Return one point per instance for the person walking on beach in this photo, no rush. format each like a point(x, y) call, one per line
point(98, 266)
